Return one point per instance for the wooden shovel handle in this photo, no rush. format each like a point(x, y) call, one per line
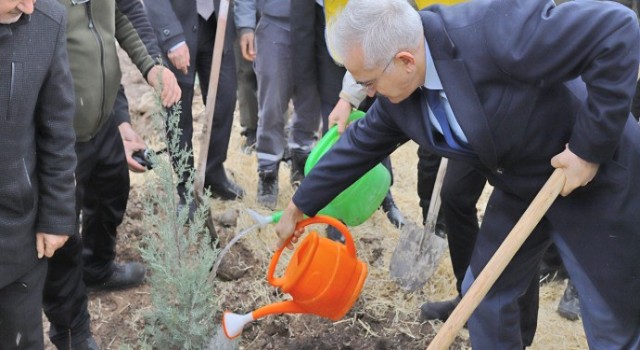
point(434, 204)
point(499, 261)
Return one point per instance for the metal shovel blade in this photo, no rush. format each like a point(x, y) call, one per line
point(416, 257)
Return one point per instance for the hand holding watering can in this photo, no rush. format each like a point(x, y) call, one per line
point(354, 205)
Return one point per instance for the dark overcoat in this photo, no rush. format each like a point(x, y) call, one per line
point(37, 157)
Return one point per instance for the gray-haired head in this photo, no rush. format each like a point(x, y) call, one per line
point(381, 28)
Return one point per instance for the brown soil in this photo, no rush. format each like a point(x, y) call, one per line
point(384, 317)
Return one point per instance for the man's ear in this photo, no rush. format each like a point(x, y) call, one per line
point(407, 58)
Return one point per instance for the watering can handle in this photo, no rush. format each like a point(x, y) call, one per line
point(318, 219)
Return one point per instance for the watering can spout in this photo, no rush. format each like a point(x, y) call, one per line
point(233, 324)
point(264, 220)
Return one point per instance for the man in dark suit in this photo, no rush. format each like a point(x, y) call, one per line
point(515, 88)
point(37, 161)
point(186, 31)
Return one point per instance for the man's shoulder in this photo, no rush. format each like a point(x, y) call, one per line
point(51, 9)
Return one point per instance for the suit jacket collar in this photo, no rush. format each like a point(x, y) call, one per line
point(459, 88)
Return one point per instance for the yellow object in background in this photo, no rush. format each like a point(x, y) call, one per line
point(424, 3)
point(331, 7)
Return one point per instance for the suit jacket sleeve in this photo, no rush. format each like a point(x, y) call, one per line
point(163, 18)
point(542, 44)
point(245, 14)
point(365, 144)
point(55, 140)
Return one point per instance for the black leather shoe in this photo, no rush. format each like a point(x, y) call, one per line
point(298, 161)
point(88, 344)
point(569, 305)
point(438, 310)
point(226, 190)
point(393, 213)
point(124, 276)
point(268, 188)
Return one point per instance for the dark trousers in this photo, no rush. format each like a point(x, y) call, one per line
point(224, 108)
point(21, 310)
point(247, 92)
point(329, 73)
point(102, 188)
point(460, 192)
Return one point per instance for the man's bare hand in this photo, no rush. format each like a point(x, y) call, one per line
point(47, 244)
point(340, 115)
point(180, 58)
point(246, 46)
point(287, 225)
point(163, 80)
point(132, 142)
point(578, 171)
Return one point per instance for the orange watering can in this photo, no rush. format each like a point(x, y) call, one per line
point(323, 277)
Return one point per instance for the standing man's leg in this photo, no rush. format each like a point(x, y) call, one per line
point(274, 93)
point(507, 316)
point(247, 99)
point(603, 329)
point(105, 202)
point(21, 310)
point(460, 192)
point(215, 175)
point(65, 298)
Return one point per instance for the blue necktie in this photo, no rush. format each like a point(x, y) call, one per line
point(433, 99)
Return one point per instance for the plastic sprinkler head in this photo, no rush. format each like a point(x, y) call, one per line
point(233, 324)
point(264, 220)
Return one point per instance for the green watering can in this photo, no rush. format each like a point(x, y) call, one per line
point(356, 203)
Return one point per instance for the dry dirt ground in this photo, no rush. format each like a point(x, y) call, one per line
point(384, 317)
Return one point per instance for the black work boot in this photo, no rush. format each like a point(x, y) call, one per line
point(268, 188)
point(125, 275)
point(249, 142)
point(438, 310)
point(298, 160)
point(569, 305)
point(393, 213)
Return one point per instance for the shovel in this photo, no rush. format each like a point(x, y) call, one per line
point(499, 261)
point(210, 107)
point(419, 249)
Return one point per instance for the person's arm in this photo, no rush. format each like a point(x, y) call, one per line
point(55, 152)
point(245, 20)
point(134, 11)
point(351, 96)
point(546, 44)
point(130, 139)
point(158, 76)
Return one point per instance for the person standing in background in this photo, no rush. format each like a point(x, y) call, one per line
point(37, 162)
point(186, 31)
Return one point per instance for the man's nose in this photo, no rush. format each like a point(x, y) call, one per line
point(26, 6)
point(371, 91)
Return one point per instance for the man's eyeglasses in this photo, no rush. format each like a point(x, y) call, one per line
point(79, 2)
point(370, 83)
